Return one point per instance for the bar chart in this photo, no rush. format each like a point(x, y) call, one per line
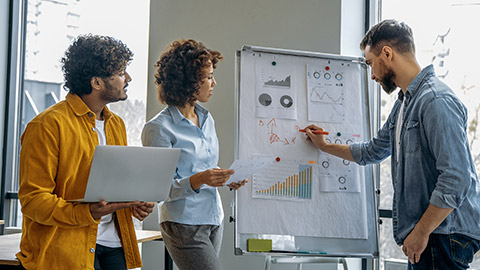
point(280, 183)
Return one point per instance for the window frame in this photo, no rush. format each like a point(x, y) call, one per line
point(13, 107)
point(372, 15)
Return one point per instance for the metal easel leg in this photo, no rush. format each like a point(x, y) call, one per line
point(268, 262)
point(344, 263)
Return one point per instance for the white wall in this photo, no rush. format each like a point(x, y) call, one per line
point(226, 25)
point(352, 27)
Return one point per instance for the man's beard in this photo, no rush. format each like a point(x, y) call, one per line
point(387, 82)
point(110, 95)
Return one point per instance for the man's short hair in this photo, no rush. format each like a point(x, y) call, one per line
point(93, 56)
point(397, 35)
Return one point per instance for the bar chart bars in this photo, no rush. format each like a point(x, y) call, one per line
point(277, 185)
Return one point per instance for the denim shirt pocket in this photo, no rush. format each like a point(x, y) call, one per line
point(412, 136)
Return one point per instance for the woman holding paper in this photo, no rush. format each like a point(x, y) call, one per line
point(191, 219)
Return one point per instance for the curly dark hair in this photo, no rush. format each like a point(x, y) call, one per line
point(397, 35)
point(93, 56)
point(180, 70)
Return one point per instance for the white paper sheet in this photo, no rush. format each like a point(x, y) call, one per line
point(336, 174)
point(326, 93)
point(245, 168)
point(276, 94)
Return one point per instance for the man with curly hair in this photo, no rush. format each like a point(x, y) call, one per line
point(55, 158)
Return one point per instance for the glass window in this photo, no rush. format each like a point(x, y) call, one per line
point(50, 28)
point(443, 37)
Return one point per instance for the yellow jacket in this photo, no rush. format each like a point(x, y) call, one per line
point(55, 158)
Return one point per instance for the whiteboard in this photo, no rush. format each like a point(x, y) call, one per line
point(306, 201)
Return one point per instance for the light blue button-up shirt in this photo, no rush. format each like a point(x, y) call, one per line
point(199, 148)
point(435, 165)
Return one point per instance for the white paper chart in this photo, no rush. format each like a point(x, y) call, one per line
point(336, 174)
point(275, 90)
point(326, 94)
point(284, 180)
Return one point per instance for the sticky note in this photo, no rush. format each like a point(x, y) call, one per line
point(259, 245)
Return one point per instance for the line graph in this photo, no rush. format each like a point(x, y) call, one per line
point(326, 98)
point(326, 95)
point(327, 104)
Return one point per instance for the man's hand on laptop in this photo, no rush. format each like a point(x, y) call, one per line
point(141, 212)
point(103, 208)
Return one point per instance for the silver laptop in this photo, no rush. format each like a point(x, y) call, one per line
point(129, 173)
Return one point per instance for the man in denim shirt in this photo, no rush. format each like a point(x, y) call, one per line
point(436, 202)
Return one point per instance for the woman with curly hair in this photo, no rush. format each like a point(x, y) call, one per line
point(191, 219)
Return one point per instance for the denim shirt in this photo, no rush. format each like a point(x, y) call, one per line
point(435, 165)
point(199, 152)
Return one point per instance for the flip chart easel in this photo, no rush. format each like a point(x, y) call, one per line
point(310, 204)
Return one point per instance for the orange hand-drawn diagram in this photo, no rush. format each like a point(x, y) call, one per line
point(274, 138)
